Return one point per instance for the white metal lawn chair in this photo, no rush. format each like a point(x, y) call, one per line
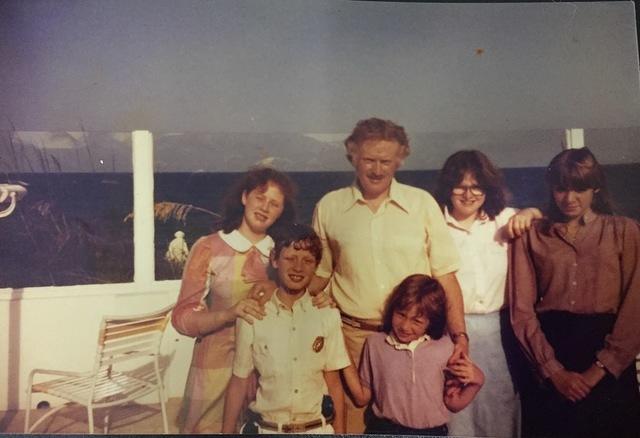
point(122, 339)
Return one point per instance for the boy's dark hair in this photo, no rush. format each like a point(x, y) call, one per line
point(427, 294)
point(256, 178)
point(300, 236)
point(489, 178)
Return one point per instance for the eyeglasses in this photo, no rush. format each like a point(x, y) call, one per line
point(461, 190)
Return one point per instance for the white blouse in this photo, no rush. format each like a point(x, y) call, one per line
point(483, 261)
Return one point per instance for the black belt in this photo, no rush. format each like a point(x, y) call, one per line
point(384, 426)
point(360, 323)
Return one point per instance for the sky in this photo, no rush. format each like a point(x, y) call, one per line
point(316, 67)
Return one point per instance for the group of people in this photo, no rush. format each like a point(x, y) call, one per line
point(401, 313)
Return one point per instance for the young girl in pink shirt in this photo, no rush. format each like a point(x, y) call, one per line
point(404, 370)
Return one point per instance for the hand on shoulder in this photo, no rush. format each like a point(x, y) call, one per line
point(522, 221)
point(323, 299)
point(248, 309)
point(262, 291)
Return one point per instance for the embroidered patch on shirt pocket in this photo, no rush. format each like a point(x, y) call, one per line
point(318, 344)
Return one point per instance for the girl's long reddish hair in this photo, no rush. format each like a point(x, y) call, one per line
point(257, 178)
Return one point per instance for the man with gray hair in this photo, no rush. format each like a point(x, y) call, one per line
point(375, 233)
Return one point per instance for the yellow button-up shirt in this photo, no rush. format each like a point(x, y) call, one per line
point(367, 254)
point(290, 349)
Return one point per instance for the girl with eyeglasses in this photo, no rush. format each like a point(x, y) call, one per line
point(472, 194)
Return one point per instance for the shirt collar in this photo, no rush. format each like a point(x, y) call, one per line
point(449, 219)
point(304, 302)
point(395, 195)
point(239, 243)
point(356, 195)
point(586, 219)
point(411, 346)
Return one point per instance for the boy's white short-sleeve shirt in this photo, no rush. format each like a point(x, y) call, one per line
point(290, 349)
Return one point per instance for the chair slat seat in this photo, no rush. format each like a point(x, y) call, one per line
point(121, 339)
point(79, 390)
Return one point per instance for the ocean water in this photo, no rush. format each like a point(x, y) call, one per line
point(71, 228)
point(526, 185)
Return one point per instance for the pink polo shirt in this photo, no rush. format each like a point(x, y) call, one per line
point(407, 386)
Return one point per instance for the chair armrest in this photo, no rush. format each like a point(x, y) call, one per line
point(57, 373)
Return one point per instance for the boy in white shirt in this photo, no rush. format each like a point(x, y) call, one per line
point(296, 348)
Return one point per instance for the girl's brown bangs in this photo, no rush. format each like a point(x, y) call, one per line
point(575, 177)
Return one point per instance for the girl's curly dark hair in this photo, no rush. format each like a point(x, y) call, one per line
point(489, 178)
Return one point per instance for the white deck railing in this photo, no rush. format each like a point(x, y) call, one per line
point(57, 326)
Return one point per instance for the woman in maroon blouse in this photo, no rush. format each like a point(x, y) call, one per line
point(574, 287)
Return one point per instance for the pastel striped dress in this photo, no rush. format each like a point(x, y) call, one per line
point(220, 271)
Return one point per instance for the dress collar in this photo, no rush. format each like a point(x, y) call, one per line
point(239, 243)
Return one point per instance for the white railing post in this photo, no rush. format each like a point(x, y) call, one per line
point(143, 219)
point(574, 138)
